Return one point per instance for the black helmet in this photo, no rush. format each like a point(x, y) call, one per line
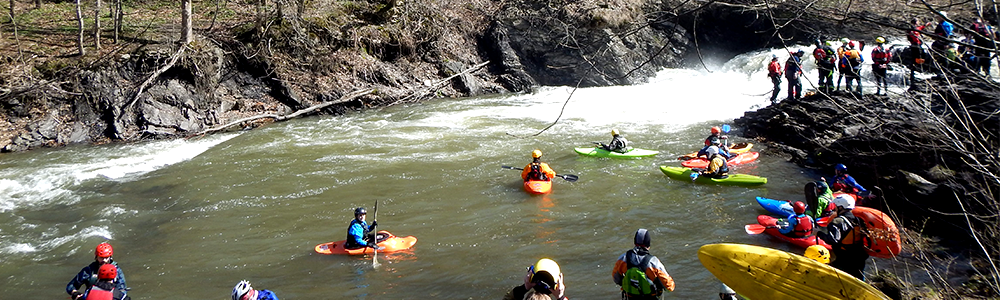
point(642, 237)
point(360, 211)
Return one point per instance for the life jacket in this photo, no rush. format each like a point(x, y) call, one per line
point(773, 70)
point(98, 293)
point(840, 184)
point(804, 226)
point(350, 243)
point(857, 236)
point(914, 36)
point(881, 55)
point(536, 172)
point(792, 69)
point(721, 168)
point(635, 283)
point(824, 56)
point(854, 59)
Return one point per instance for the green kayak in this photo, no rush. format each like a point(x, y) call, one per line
point(680, 173)
point(599, 152)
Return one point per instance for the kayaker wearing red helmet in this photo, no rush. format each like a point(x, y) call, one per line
point(88, 276)
point(798, 224)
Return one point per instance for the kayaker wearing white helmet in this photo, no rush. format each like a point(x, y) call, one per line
point(717, 160)
point(243, 291)
point(543, 278)
point(846, 234)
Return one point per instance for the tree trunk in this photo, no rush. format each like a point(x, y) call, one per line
point(116, 16)
point(97, 25)
point(79, 23)
point(38, 4)
point(186, 30)
point(302, 7)
point(11, 11)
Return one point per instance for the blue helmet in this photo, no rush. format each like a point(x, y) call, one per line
point(840, 167)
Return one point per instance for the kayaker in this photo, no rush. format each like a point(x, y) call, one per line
point(717, 167)
point(105, 288)
point(718, 145)
point(618, 143)
point(716, 133)
point(641, 275)
point(537, 170)
point(818, 253)
point(243, 291)
point(543, 278)
point(843, 182)
point(846, 234)
point(358, 235)
point(798, 224)
point(823, 200)
point(726, 293)
point(88, 276)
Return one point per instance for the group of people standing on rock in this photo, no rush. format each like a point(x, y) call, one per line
point(846, 60)
point(960, 51)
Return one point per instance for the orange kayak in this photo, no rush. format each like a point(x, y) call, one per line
point(391, 243)
point(702, 163)
point(538, 187)
point(883, 236)
point(737, 148)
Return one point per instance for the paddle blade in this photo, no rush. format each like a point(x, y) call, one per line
point(755, 228)
point(725, 128)
point(823, 221)
point(568, 177)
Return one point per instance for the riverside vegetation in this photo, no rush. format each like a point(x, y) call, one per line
point(249, 62)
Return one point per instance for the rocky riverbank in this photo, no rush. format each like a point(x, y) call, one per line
point(932, 150)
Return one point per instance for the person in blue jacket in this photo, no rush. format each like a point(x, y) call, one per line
point(243, 291)
point(358, 235)
point(843, 182)
point(798, 224)
point(88, 275)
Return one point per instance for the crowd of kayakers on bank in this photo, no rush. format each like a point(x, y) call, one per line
point(640, 274)
point(970, 50)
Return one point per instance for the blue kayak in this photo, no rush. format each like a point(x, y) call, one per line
point(776, 207)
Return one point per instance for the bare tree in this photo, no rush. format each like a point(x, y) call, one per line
point(186, 30)
point(38, 4)
point(79, 23)
point(11, 14)
point(97, 25)
point(116, 17)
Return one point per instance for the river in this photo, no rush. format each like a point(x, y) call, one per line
point(190, 218)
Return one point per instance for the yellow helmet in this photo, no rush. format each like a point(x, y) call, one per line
point(818, 253)
point(614, 131)
point(545, 272)
point(880, 40)
point(536, 154)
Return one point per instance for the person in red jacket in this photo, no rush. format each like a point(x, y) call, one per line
point(880, 64)
point(774, 72)
point(105, 288)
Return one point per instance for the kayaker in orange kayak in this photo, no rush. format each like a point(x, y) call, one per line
point(618, 143)
point(543, 278)
point(358, 235)
point(537, 170)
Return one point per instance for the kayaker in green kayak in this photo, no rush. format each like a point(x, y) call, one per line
point(618, 143)
point(716, 161)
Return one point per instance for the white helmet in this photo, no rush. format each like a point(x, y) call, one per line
point(712, 150)
point(241, 289)
point(844, 201)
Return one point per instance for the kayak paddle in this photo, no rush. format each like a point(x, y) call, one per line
point(568, 177)
point(375, 240)
point(758, 229)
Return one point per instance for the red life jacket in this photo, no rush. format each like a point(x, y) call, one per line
point(804, 226)
point(773, 69)
point(97, 293)
point(914, 36)
point(881, 56)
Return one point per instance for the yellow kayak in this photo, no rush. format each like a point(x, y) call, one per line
point(737, 148)
point(764, 273)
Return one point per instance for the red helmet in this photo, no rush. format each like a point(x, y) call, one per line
point(716, 129)
point(107, 271)
point(799, 207)
point(104, 250)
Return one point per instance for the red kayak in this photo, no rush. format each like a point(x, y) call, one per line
point(538, 187)
point(391, 243)
point(772, 229)
point(702, 162)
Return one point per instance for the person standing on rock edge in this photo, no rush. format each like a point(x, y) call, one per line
point(774, 72)
point(826, 60)
point(853, 66)
point(845, 234)
point(916, 45)
point(880, 65)
point(793, 72)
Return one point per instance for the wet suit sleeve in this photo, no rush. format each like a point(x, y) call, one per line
point(618, 272)
point(524, 173)
point(548, 171)
point(78, 280)
point(120, 280)
point(267, 295)
point(357, 232)
point(656, 267)
point(792, 221)
point(850, 181)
